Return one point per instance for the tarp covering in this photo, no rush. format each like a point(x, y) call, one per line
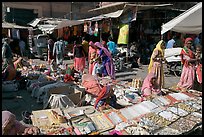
point(12, 25)
point(188, 22)
point(67, 23)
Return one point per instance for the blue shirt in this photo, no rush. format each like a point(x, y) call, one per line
point(111, 47)
point(170, 43)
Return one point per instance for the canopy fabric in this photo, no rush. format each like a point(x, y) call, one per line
point(188, 22)
point(34, 23)
point(115, 14)
point(67, 23)
point(47, 28)
point(12, 25)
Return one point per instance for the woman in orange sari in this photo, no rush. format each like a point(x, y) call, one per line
point(92, 56)
point(188, 62)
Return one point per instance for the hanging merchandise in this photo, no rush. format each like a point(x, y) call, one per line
point(123, 34)
point(90, 29)
point(111, 28)
point(66, 33)
point(60, 32)
point(105, 26)
point(96, 29)
point(75, 30)
point(85, 27)
point(15, 34)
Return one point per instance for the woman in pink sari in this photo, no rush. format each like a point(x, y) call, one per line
point(150, 86)
point(188, 62)
point(79, 57)
point(107, 60)
point(10, 126)
point(92, 56)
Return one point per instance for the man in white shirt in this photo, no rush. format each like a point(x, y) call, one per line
point(171, 43)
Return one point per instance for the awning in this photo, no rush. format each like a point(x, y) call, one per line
point(47, 28)
point(188, 22)
point(67, 23)
point(34, 23)
point(124, 5)
point(12, 25)
point(108, 15)
point(110, 7)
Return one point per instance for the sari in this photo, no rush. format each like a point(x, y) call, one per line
point(92, 55)
point(9, 121)
point(107, 61)
point(188, 72)
point(147, 86)
point(156, 66)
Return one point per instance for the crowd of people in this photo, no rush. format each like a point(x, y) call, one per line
point(97, 57)
point(191, 76)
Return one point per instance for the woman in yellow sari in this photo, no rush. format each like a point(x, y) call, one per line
point(156, 63)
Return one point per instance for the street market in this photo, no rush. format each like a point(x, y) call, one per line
point(98, 89)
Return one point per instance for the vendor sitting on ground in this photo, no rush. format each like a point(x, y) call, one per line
point(10, 126)
point(69, 74)
point(105, 98)
point(150, 86)
point(101, 96)
point(9, 73)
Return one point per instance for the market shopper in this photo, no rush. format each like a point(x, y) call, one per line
point(79, 57)
point(10, 126)
point(98, 68)
point(150, 86)
point(107, 61)
point(188, 71)
point(156, 63)
point(58, 50)
point(92, 56)
point(7, 56)
point(112, 46)
point(50, 50)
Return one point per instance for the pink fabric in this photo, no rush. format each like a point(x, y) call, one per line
point(199, 73)
point(91, 51)
point(187, 77)
point(147, 85)
point(146, 82)
point(188, 39)
point(79, 64)
point(91, 84)
point(9, 118)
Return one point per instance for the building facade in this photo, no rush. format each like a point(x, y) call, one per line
point(23, 12)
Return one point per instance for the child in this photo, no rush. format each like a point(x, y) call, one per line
point(98, 68)
point(198, 56)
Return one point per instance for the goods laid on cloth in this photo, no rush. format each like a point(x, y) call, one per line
point(51, 122)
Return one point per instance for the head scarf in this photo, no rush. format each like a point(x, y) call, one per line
point(188, 39)
point(158, 47)
point(91, 43)
point(99, 45)
point(146, 82)
point(8, 118)
point(112, 68)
